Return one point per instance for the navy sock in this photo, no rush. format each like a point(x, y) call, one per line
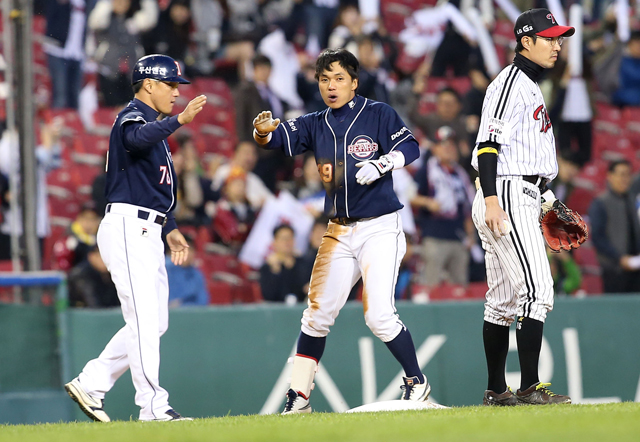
point(310, 346)
point(496, 348)
point(403, 350)
point(529, 338)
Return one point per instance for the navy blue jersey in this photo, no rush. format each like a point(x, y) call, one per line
point(361, 130)
point(139, 165)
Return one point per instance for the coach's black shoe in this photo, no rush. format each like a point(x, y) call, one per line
point(172, 415)
point(89, 405)
point(506, 399)
point(539, 394)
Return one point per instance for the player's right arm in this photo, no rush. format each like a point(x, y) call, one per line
point(292, 136)
point(143, 135)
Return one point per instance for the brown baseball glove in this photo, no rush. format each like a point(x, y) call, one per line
point(563, 229)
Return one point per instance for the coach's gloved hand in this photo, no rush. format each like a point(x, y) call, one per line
point(371, 170)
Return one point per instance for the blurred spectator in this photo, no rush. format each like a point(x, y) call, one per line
point(98, 191)
point(64, 46)
point(4, 189)
point(454, 54)
point(572, 109)
point(348, 27)
point(566, 273)
point(615, 231)
point(448, 113)
point(251, 98)
point(207, 16)
point(283, 276)
point(315, 239)
point(90, 283)
point(234, 216)
point(171, 36)
point(190, 192)
point(563, 185)
point(245, 158)
point(628, 92)
point(319, 17)
point(118, 25)
point(372, 79)
point(307, 85)
point(47, 158)
point(473, 99)
point(186, 282)
point(405, 273)
point(309, 189)
point(75, 248)
point(444, 202)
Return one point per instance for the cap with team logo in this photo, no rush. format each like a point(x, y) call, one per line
point(540, 22)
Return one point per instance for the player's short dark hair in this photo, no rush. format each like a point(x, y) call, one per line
point(520, 47)
point(279, 227)
point(261, 60)
point(615, 163)
point(344, 58)
point(136, 87)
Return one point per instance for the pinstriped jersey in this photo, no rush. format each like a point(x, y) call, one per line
point(369, 129)
point(514, 115)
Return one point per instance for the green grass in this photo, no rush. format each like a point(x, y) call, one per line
point(583, 423)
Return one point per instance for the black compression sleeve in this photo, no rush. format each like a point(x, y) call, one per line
point(488, 169)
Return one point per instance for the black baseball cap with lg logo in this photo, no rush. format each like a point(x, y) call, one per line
point(540, 22)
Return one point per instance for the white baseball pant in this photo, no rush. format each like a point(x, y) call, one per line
point(518, 272)
point(133, 251)
point(371, 248)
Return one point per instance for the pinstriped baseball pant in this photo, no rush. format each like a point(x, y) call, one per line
point(518, 272)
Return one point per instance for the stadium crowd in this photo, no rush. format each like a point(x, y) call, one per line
point(254, 217)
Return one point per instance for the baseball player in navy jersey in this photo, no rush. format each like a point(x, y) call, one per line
point(141, 191)
point(357, 143)
point(515, 156)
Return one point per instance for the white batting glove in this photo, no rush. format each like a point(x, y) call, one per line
point(371, 170)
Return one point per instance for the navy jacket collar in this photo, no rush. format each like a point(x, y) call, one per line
point(149, 113)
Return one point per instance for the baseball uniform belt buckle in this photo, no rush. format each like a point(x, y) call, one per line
point(345, 221)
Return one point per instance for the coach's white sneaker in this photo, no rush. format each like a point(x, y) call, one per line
point(91, 406)
point(296, 403)
point(171, 415)
point(414, 391)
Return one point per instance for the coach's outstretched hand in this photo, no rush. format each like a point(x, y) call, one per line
point(179, 247)
point(193, 108)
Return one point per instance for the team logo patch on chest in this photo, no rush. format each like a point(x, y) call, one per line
point(541, 115)
point(362, 148)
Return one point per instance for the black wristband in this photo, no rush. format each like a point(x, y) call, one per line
point(488, 171)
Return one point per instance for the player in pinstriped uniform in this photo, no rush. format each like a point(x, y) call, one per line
point(515, 156)
point(356, 143)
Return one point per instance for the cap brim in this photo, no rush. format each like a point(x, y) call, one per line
point(557, 31)
point(177, 79)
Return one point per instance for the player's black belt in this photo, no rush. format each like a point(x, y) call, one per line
point(143, 214)
point(535, 180)
point(345, 221)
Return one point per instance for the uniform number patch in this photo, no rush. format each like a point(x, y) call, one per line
point(326, 172)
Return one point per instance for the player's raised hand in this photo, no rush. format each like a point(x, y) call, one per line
point(264, 123)
point(193, 108)
point(179, 247)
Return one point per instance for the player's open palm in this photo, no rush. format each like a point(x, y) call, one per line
point(264, 123)
point(178, 246)
point(193, 108)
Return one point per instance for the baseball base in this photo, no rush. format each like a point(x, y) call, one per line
point(396, 405)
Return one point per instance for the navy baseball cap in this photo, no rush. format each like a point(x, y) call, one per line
point(157, 67)
point(540, 22)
